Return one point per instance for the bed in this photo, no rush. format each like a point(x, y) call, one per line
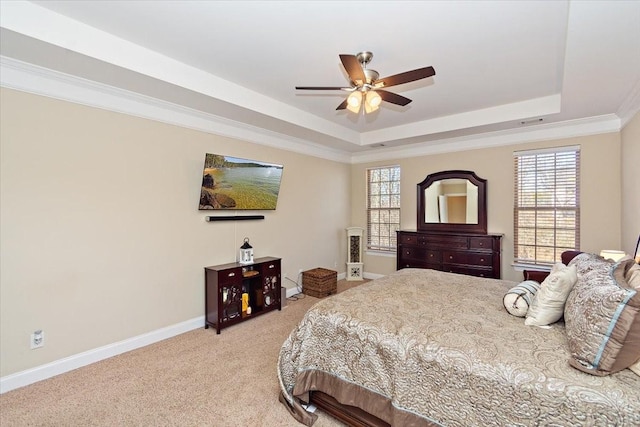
point(421, 347)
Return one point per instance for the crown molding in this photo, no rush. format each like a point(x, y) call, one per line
point(631, 105)
point(42, 81)
point(551, 131)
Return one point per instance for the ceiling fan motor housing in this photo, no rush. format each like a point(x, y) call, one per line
point(364, 58)
point(371, 76)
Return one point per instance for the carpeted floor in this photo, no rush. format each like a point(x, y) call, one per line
point(195, 379)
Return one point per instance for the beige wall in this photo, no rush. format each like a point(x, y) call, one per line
point(631, 184)
point(101, 239)
point(600, 192)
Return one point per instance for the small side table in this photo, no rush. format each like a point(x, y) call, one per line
point(536, 275)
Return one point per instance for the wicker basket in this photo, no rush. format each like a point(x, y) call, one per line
point(319, 282)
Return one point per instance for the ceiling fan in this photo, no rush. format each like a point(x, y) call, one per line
point(366, 86)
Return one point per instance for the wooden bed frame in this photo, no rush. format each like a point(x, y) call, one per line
point(356, 417)
point(350, 415)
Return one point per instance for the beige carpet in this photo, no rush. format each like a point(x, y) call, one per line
point(195, 379)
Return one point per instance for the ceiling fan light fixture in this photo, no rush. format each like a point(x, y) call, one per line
point(354, 100)
point(373, 99)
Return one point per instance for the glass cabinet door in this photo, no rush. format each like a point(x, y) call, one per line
point(271, 285)
point(231, 295)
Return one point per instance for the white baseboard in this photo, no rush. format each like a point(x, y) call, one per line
point(291, 292)
point(42, 372)
point(39, 373)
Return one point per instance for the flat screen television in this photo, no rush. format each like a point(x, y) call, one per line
point(232, 183)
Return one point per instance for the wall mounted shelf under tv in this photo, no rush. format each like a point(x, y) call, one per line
point(233, 217)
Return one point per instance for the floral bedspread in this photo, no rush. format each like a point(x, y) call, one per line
point(442, 346)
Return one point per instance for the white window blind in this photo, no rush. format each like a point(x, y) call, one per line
point(383, 208)
point(546, 204)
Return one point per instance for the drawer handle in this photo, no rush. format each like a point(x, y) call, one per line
point(232, 274)
point(481, 259)
point(430, 255)
point(450, 256)
point(481, 244)
point(271, 266)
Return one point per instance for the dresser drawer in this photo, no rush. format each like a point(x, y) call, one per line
point(448, 242)
point(471, 258)
point(454, 257)
point(408, 239)
point(421, 254)
point(413, 263)
point(470, 271)
point(481, 243)
point(480, 259)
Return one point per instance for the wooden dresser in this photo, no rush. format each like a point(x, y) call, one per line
point(464, 253)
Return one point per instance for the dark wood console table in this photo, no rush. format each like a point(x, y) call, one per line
point(225, 284)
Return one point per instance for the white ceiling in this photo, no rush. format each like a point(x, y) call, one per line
point(497, 63)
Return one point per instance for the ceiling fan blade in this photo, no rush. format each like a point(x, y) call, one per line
point(354, 69)
point(319, 88)
point(393, 98)
point(342, 106)
point(406, 77)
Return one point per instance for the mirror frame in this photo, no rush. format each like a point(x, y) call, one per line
point(479, 228)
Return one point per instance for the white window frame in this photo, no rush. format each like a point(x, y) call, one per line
point(388, 229)
point(547, 191)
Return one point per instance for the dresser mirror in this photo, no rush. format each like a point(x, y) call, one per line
point(452, 201)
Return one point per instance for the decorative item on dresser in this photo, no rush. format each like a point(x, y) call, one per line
point(451, 227)
point(226, 284)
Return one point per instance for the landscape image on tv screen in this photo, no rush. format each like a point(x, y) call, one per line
point(234, 183)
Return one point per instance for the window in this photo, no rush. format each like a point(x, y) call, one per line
point(383, 208)
point(546, 204)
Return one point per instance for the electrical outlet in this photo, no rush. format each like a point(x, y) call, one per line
point(37, 339)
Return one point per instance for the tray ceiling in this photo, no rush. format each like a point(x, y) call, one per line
point(498, 64)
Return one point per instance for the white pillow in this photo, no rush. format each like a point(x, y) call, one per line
point(548, 305)
point(518, 299)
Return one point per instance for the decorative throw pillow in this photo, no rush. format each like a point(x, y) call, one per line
point(602, 316)
point(548, 305)
point(518, 299)
point(632, 275)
